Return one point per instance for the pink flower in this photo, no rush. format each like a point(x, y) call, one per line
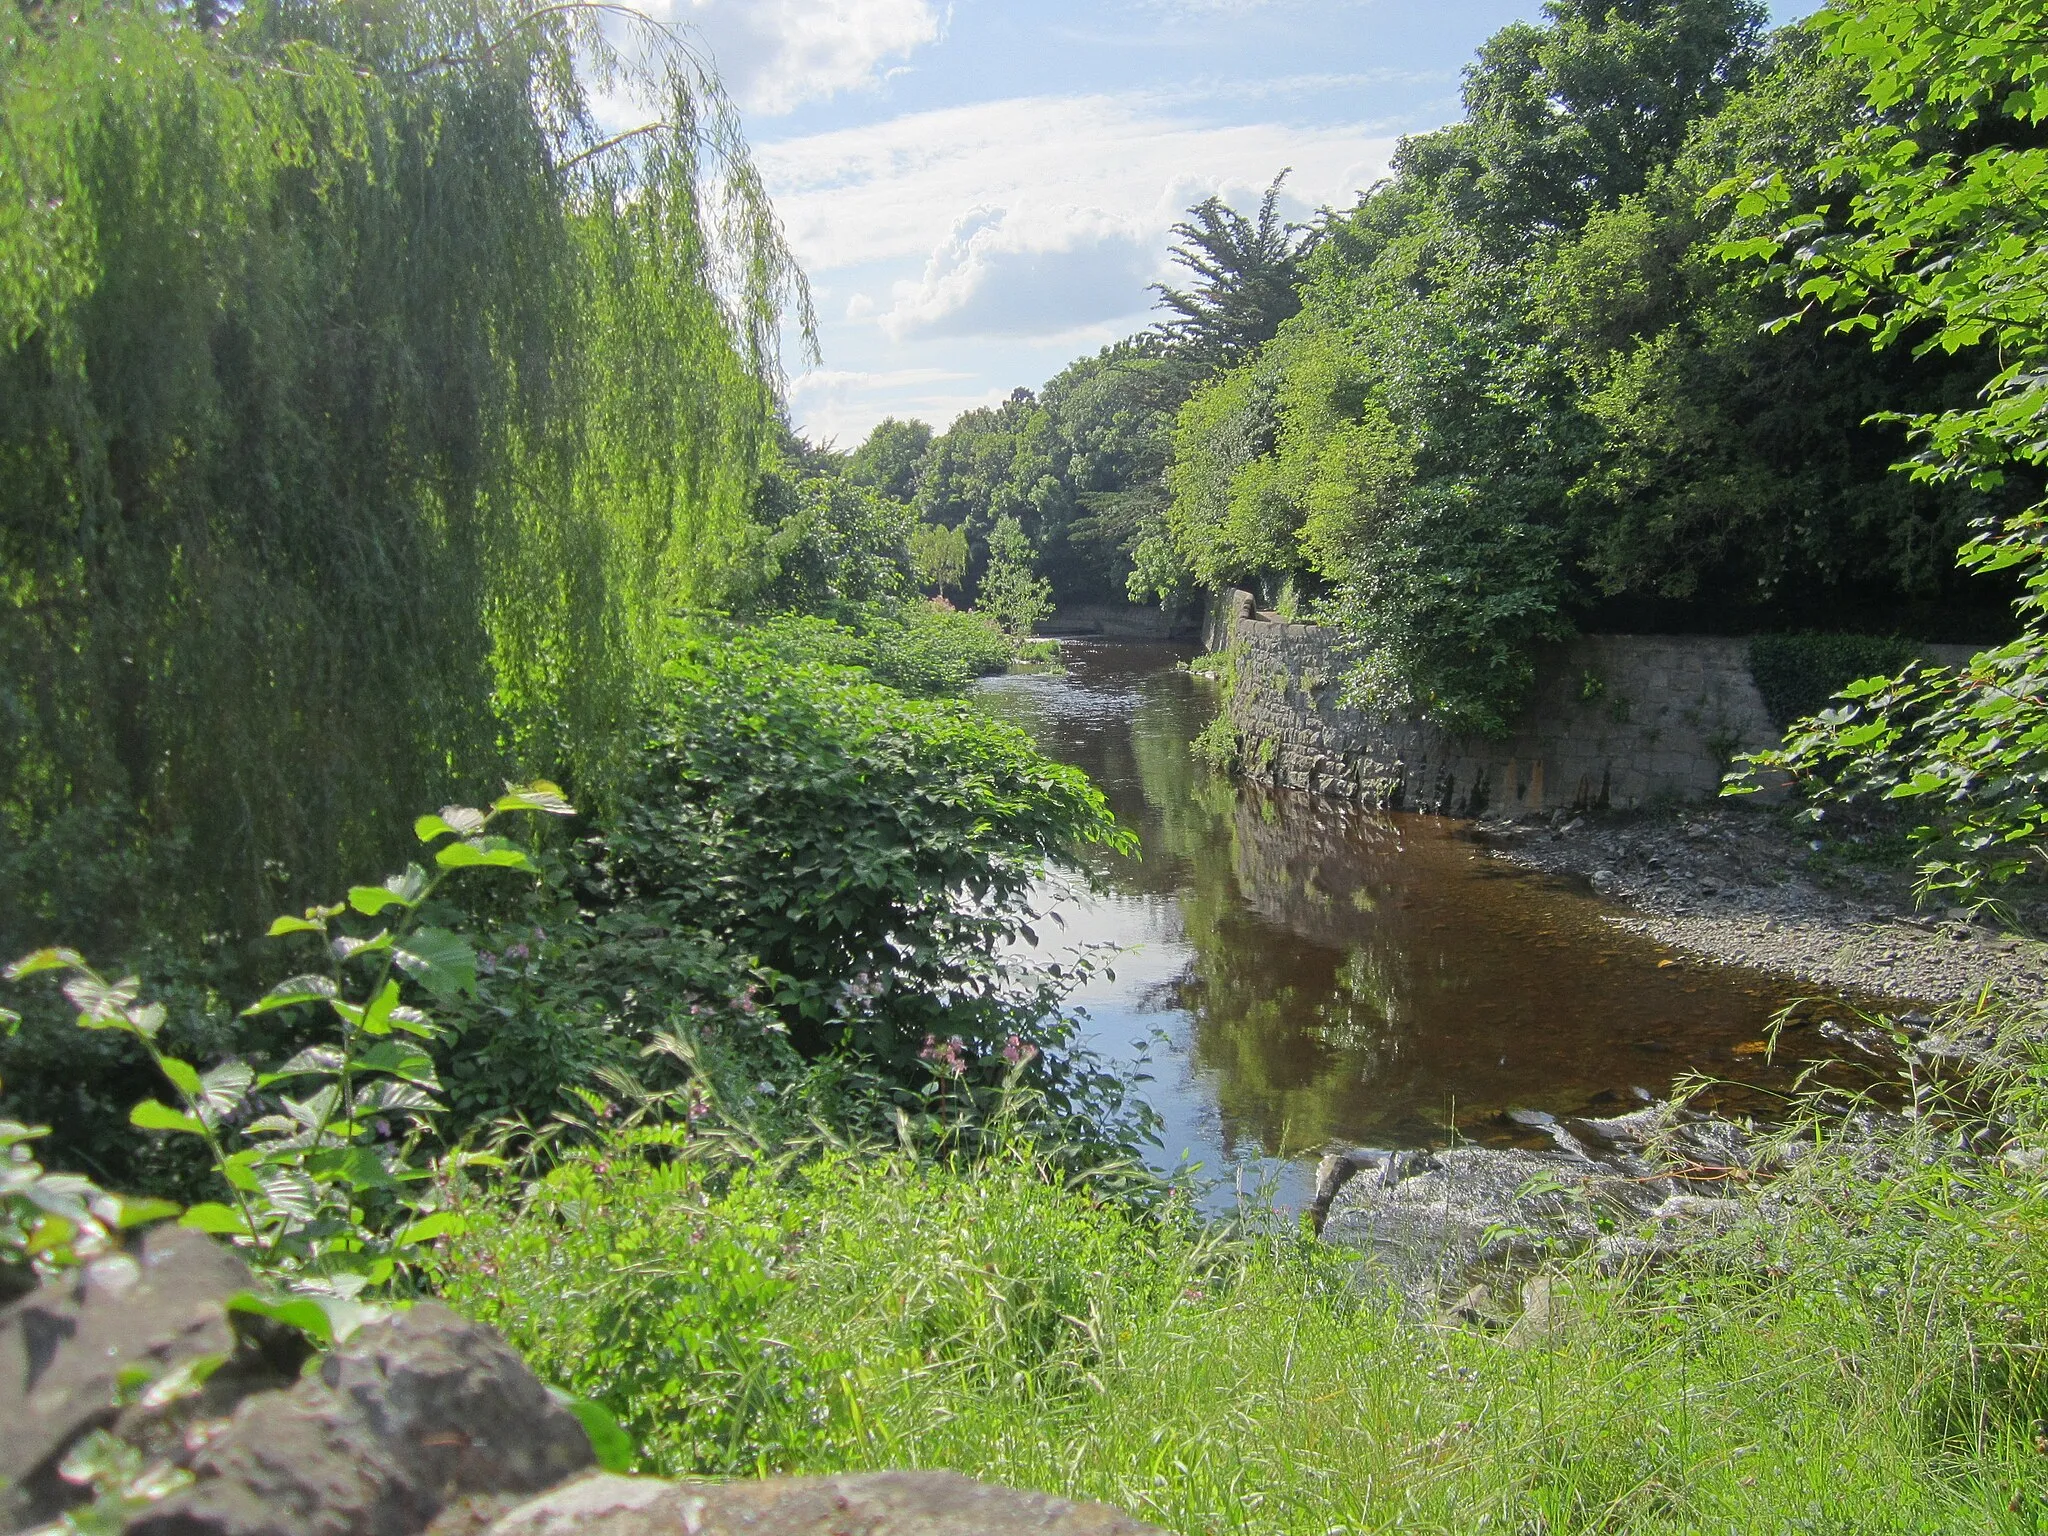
point(1017, 1051)
point(949, 1059)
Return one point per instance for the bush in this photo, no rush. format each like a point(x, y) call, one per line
point(1798, 674)
point(920, 648)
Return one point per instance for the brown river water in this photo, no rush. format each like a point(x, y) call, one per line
point(1292, 973)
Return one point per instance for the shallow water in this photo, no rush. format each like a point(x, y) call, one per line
point(1300, 973)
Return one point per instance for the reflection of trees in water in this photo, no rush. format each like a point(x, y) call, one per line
point(1298, 987)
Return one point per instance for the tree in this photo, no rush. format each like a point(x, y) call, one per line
point(1939, 241)
point(938, 555)
point(1582, 110)
point(1246, 274)
point(1011, 593)
point(368, 406)
point(889, 460)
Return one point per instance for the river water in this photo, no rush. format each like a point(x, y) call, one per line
point(1292, 973)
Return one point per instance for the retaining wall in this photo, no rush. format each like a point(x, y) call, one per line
point(1613, 721)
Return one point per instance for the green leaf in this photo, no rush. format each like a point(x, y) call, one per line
point(139, 1211)
point(284, 925)
point(288, 994)
point(44, 960)
point(440, 961)
point(608, 1442)
point(183, 1075)
point(376, 1018)
point(372, 899)
point(540, 796)
point(182, 1380)
point(484, 853)
point(301, 1312)
point(400, 1060)
point(454, 821)
point(150, 1115)
point(442, 1224)
point(211, 1216)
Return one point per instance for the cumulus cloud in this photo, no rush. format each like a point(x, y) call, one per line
point(997, 276)
point(775, 55)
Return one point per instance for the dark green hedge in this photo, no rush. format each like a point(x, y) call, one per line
point(1798, 674)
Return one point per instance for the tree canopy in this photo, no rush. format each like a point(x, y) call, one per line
point(366, 407)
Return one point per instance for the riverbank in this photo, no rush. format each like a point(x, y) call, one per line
point(1745, 886)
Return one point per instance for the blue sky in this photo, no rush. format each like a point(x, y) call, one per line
point(982, 190)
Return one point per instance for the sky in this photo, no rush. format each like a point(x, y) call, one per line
point(982, 190)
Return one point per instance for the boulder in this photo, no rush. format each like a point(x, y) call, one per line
point(66, 1347)
point(410, 1414)
point(865, 1504)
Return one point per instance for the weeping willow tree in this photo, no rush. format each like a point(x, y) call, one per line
point(375, 378)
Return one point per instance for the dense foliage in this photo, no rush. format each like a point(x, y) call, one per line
point(365, 407)
point(1524, 395)
point(1931, 236)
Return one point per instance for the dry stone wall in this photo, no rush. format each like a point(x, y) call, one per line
point(1614, 721)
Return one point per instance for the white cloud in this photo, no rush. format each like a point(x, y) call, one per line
point(843, 405)
point(1056, 167)
point(775, 55)
point(996, 275)
point(1006, 237)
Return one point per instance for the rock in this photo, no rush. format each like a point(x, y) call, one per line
point(409, 1415)
point(1603, 882)
point(1426, 1230)
point(867, 1504)
point(1337, 1169)
point(1628, 1131)
point(1548, 1310)
point(64, 1348)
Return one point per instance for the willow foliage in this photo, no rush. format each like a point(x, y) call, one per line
point(366, 404)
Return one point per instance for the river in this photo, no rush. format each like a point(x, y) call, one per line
point(1292, 973)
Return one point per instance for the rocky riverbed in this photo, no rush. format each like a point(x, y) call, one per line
point(1745, 886)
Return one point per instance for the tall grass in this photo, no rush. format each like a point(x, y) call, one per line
point(1859, 1356)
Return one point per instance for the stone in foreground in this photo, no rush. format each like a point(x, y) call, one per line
point(64, 1348)
point(867, 1504)
point(408, 1416)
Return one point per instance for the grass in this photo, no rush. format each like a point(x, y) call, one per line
point(1860, 1357)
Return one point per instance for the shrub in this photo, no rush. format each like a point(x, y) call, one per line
point(919, 648)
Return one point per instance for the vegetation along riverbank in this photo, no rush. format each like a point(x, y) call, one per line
point(493, 836)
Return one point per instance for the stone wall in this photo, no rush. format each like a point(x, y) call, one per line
point(1613, 721)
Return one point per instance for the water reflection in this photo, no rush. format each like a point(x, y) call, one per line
point(1322, 975)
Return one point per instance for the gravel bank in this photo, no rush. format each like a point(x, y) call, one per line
point(1739, 885)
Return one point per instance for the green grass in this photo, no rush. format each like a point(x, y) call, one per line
point(1860, 1358)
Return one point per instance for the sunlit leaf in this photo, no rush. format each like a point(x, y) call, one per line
point(221, 1220)
point(288, 994)
point(150, 1115)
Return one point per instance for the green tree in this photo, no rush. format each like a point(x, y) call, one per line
point(1937, 239)
point(888, 461)
point(939, 556)
point(1011, 592)
point(367, 406)
point(1245, 275)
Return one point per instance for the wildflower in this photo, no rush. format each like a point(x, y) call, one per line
point(949, 1059)
point(1017, 1051)
point(486, 962)
point(516, 952)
